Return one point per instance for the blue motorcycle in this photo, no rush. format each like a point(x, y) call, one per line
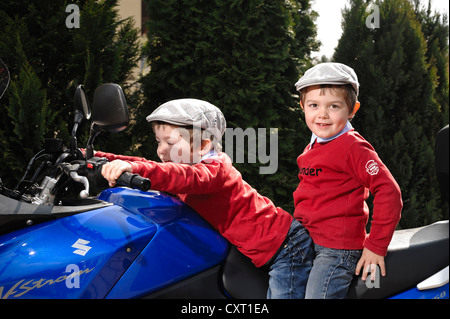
point(57, 240)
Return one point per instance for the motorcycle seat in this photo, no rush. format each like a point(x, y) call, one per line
point(242, 279)
point(413, 256)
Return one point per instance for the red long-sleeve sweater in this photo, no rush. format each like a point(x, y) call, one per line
point(216, 190)
point(335, 179)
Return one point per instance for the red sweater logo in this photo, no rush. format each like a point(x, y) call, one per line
point(372, 167)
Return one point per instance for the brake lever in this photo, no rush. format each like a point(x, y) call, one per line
point(72, 171)
point(81, 179)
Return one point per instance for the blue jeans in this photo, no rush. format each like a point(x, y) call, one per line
point(332, 273)
point(289, 268)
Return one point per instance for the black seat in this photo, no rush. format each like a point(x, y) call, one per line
point(241, 279)
point(413, 256)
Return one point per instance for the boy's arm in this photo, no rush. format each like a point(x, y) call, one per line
point(366, 166)
point(182, 178)
point(170, 177)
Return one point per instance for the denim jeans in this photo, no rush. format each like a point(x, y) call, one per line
point(332, 273)
point(289, 269)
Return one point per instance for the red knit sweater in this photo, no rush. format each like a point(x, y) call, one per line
point(335, 179)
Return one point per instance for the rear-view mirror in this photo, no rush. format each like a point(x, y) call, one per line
point(109, 109)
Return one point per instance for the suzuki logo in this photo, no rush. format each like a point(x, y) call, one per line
point(81, 246)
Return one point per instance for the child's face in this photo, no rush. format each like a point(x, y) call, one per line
point(172, 147)
point(326, 115)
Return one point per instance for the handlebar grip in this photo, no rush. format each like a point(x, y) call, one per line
point(134, 181)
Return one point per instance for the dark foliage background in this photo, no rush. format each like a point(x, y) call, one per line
point(243, 56)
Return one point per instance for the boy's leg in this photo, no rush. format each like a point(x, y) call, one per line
point(332, 273)
point(290, 269)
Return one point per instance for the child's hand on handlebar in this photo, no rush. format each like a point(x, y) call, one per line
point(112, 171)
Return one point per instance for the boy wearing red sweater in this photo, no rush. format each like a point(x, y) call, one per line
point(336, 171)
point(204, 178)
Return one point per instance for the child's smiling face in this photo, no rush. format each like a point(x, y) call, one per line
point(326, 111)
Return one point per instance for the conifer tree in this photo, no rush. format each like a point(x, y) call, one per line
point(47, 60)
point(399, 114)
point(244, 57)
point(435, 30)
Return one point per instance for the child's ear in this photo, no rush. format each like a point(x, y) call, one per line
point(301, 105)
point(205, 147)
point(355, 109)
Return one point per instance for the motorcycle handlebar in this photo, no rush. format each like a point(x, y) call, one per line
point(134, 181)
point(94, 172)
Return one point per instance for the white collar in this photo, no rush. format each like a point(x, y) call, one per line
point(315, 138)
point(212, 153)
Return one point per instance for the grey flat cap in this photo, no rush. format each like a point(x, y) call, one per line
point(191, 112)
point(329, 73)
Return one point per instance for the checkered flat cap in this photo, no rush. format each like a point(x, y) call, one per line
point(191, 112)
point(329, 73)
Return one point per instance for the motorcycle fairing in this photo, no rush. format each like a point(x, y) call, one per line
point(99, 244)
point(414, 293)
point(183, 245)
